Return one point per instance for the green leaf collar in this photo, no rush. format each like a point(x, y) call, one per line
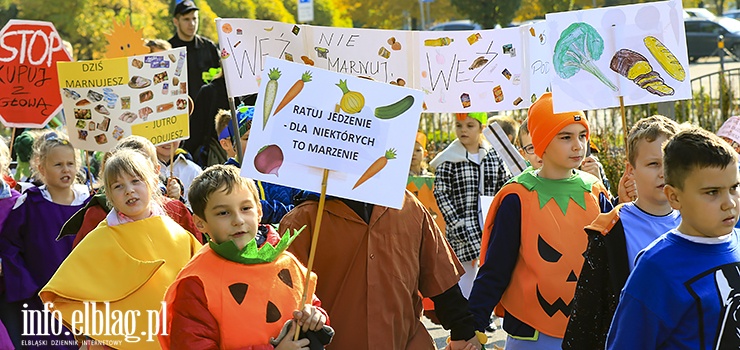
point(251, 254)
point(574, 187)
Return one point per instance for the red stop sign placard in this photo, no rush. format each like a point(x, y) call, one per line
point(29, 86)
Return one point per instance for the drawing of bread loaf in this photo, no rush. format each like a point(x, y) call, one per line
point(636, 67)
point(665, 57)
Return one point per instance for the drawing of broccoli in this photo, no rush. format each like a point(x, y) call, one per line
point(578, 47)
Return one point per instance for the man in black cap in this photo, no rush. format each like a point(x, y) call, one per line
point(202, 52)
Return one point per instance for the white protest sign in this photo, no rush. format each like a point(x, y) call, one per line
point(106, 100)
point(471, 71)
point(308, 119)
point(636, 51)
point(537, 61)
point(485, 70)
point(384, 55)
point(244, 45)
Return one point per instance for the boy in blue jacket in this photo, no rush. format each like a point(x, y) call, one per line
point(683, 292)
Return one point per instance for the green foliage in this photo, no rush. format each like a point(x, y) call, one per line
point(488, 13)
point(273, 10)
point(552, 6)
point(8, 11)
point(206, 21)
point(611, 156)
point(234, 8)
point(726, 101)
point(324, 13)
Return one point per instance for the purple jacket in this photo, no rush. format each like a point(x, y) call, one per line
point(28, 247)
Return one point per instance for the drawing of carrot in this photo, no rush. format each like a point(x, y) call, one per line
point(293, 91)
point(270, 94)
point(376, 167)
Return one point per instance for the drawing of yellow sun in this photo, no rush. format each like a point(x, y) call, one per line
point(125, 41)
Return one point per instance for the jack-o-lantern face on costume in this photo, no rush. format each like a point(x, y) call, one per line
point(260, 300)
point(552, 246)
point(555, 303)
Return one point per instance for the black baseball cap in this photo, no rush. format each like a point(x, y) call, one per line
point(184, 7)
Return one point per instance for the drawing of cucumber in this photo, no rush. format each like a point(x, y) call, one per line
point(395, 109)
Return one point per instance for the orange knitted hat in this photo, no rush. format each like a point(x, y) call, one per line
point(544, 124)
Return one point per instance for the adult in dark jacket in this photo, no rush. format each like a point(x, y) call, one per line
point(202, 52)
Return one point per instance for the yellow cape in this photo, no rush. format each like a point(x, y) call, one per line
point(130, 266)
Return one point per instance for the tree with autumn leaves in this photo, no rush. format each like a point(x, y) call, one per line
point(84, 23)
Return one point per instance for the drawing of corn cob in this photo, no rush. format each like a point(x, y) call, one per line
point(665, 57)
point(636, 67)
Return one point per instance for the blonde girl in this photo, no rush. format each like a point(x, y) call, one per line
point(465, 170)
point(130, 258)
point(28, 247)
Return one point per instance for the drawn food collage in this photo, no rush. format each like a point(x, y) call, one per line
point(592, 52)
point(107, 99)
point(637, 52)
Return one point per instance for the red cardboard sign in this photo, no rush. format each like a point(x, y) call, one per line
point(29, 86)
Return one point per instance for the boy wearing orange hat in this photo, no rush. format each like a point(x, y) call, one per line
point(534, 234)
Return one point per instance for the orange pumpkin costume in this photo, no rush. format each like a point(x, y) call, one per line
point(234, 299)
point(551, 246)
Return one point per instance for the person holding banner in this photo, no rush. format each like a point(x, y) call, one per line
point(242, 275)
point(533, 242)
point(376, 263)
point(465, 170)
point(28, 247)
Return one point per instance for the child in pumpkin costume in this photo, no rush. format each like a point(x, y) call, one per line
point(128, 260)
point(533, 237)
point(616, 237)
point(243, 275)
point(683, 291)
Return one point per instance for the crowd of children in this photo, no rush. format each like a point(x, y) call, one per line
point(559, 259)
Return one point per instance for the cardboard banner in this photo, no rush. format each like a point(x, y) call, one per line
point(383, 55)
point(635, 51)
point(474, 71)
point(244, 45)
point(109, 99)
point(29, 93)
point(485, 70)
point(308, 119)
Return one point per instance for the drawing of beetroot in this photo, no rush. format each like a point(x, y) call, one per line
point(269, 159)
